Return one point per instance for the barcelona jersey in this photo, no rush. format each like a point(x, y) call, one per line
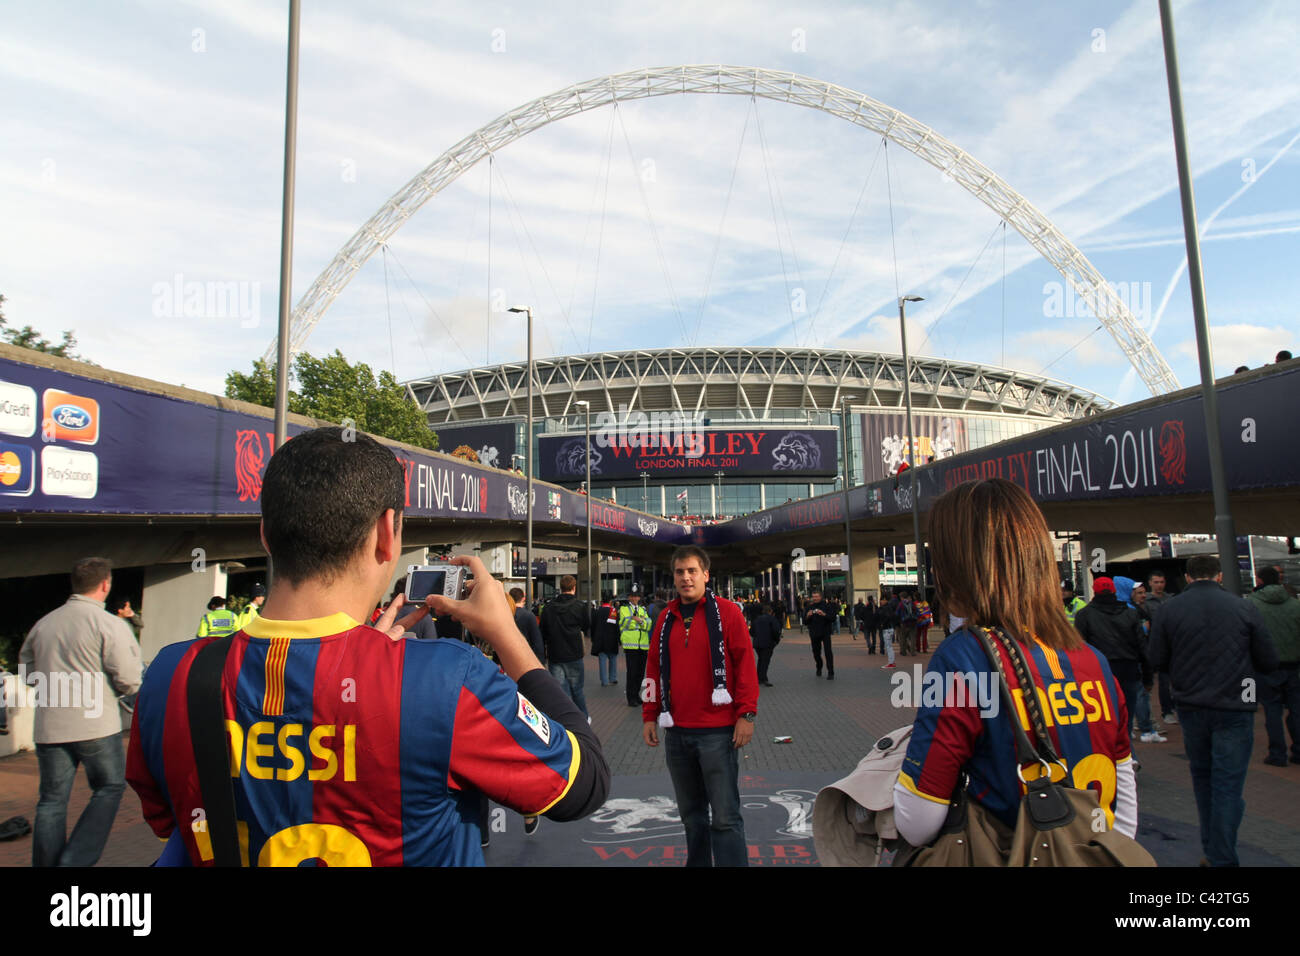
point(1081, 704)
point(347, 747)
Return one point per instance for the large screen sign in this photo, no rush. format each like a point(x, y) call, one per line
point(491, 444)
point(690, 453)
point(884, 438)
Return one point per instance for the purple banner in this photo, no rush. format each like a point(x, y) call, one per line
point(73, 445)
point(690, 453)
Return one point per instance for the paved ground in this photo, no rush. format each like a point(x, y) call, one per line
point(832, 723)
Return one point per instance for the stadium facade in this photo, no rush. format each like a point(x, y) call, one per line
point(706, 433)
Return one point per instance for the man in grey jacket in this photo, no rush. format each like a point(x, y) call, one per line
point(76, 663)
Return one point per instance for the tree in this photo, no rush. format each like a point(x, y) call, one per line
point(28, 338)
point(333, 389)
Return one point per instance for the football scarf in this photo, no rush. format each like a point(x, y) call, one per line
point(717, 656)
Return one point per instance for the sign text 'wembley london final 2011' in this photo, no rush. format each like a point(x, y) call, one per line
point(691, 453)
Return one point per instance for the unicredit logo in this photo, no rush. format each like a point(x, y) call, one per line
point(71, 416)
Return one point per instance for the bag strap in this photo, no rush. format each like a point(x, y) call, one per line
point(1032, 706)
point(1025, 752)
point(211, 753)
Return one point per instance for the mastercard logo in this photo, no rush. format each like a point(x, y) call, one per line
point(11, 469)
point(17, 469)
point(69, 417)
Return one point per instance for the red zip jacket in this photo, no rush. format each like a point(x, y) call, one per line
point(692, 677)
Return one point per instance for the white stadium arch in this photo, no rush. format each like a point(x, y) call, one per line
point(838, 101)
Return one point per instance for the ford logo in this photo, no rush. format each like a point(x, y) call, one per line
point(70, 416)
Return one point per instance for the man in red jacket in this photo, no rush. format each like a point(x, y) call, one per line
point(702, 686)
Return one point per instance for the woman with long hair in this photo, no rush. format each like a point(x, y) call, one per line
point(995, 568)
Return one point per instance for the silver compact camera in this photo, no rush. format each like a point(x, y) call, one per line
point(425, 579)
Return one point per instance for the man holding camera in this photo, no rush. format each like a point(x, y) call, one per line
point(348, 744)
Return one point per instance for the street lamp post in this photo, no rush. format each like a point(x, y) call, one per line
point(645, 491)
point(717, 494)
point(911, 446)
point(528, 438)
point(586, 407)
point(848, 479)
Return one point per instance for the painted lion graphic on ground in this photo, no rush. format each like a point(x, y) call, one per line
point(798, 451)
point(571, 459)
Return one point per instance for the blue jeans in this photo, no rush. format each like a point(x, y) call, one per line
point(1142, 711)
point(106, 771)
point(1218, 748)
point(1278, 691)
point(608, 668)
point(705, 770)
point(571, 676)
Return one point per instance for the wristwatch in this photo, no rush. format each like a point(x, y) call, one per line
point(750, 716)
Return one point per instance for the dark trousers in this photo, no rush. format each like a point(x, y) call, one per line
point(1166, 693)
point(1277, 692)
point(818, 645)
point(764, 658)
point(1218, 746)
point(635, 674)
point(705, 770)
point(106, 771)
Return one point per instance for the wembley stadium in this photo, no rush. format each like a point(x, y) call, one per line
point(704, 434)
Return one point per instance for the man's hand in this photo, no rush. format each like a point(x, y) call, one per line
point(744, 733)
point(394, 628)
point(489, 615)
point(650, 733)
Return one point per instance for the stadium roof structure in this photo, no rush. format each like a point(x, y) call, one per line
point(753, 380)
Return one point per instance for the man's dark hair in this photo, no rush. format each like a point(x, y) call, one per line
point(686, 552)
point(321, 496)
point(1268, 576)
point(1240, 368)
point(1155, 574)
point(1202, 566)
point(568, 583)
point(517, 595)
point(216, 602)
point(1283, 356)
point(90, 573)
point(767, 609)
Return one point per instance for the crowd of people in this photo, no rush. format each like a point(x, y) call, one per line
point(396, 713)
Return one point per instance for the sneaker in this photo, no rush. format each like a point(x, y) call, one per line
point(888, 667)
point(1275, 761)
point(830, 675)
point(588, 721)
point(1169, 718)
point(531, 824)
point(1154, 738)
point(819, 672)
point(613, 682)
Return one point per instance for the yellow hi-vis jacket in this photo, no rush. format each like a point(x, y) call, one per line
point(218, 623)
point(634, 627)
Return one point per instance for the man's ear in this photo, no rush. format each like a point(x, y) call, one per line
point(388, 544)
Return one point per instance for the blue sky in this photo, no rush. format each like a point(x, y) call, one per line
point(143, 143)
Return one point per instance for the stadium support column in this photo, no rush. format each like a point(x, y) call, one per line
point(175, 597)
point(1102, 549)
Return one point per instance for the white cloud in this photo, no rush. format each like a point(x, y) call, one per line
point(1241, 344)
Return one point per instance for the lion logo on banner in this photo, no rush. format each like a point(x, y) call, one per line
point(648, 528)
point(571, 459)
point(249, 460)
point(758, 525)
point(1173, 453)
point(798, 451)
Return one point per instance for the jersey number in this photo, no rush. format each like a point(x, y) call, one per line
point(291, 846)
